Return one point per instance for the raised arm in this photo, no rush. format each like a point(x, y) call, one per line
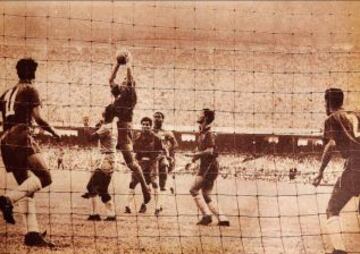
point(113, 74)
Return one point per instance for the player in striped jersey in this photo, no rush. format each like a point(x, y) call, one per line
point(20, 153)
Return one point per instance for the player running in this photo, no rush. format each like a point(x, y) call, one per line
point(209, 170)
point(148, 148)
point(341, 132)
point(21, 154)
point(167, 160)
point(125, 101)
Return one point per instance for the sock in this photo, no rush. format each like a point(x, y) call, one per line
point(334, 229)
point(29, 214)
point(216, 210)
point(130, 198)
point(156, 198)
point(94, 204)
point(27, 188)
point(110, 208)
point(200, 203)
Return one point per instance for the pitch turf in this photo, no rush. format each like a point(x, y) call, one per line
point(266, 217)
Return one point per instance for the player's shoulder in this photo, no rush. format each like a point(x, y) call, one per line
point(28, 90)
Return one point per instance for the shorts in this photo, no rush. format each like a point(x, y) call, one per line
point(346, 187)
point(125, 136)
point(17, 145)
point(209, 171)
point(150, 170)
point(98, 185)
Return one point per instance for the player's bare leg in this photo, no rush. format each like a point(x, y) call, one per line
point(215, 208)
point(29, 183)
point(137, 172)
point(200, 202)
point(131, 194)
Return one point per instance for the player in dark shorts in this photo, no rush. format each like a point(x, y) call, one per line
point(20, 153)
point(100, 179)
point(341, 133)
point(125, 101)
point(167, 160)
point(148, 148)
point(208, 172)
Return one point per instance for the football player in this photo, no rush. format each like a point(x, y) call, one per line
point(99, 181)
point(167, 160)
point(208, 172)
point(20, 153)
point(148, 148)
point(125, 101)
point(342, 133)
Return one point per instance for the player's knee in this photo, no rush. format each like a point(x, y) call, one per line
point(207, 198)
point(154, 185)
point(194, 192)
point(134, 166)
point(105, 197)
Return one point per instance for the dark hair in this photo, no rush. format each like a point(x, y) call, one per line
point(146, 119)
point(26, 68)
point(109, 113)
point(209, 115)
point(159, 113)
point(334, 97)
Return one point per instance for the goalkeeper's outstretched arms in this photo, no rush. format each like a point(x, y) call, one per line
point(123, 57)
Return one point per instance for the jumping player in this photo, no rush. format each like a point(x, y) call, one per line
point(167, 160)
point(125, 101)
point(99, 181)
point(209, 170)
point(21, 154)
point(341, 132)
point(148, 148)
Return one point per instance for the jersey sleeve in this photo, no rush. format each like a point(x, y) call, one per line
point(103, 130)
point(33, 97)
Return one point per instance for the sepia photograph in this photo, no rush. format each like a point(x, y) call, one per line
point(179, 127)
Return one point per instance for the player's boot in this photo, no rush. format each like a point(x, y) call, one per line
point(205, 220)
point(110, 218)
point(339, 252)
point(127, 209)
point(224, 223)
point(37, 240)
point(142, 208)
point(6, 208)
point(158, 211)
point(88, 195)
point(94, 217)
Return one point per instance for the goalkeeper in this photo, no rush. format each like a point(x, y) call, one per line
point(125, 101)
